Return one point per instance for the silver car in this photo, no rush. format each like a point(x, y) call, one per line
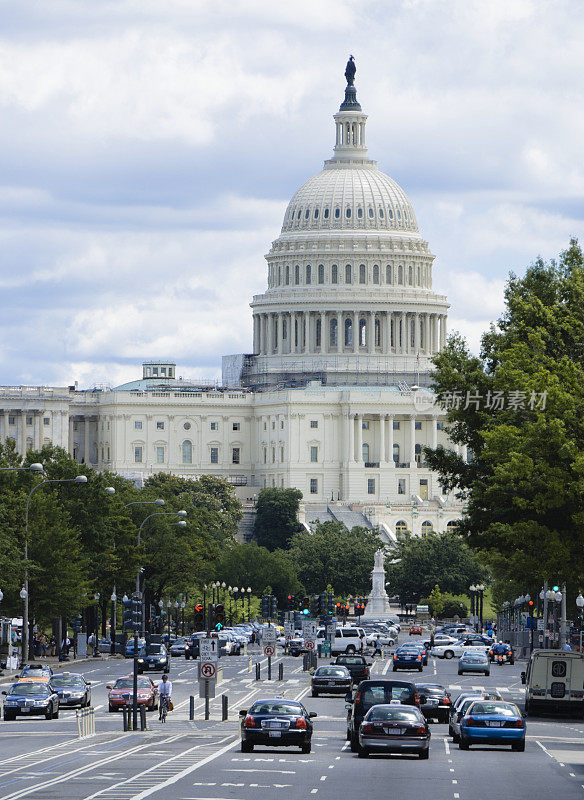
point(473, 661)
point(394, 728)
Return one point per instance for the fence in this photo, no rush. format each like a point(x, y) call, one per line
point(85, 722)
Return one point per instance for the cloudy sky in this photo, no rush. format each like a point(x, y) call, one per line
point(148, 150)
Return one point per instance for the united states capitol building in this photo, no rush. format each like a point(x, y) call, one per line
point(331, 398)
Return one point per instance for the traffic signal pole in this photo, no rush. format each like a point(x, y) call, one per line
point(135, 685)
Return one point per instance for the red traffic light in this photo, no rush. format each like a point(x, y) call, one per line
point(530, 603)
point(199, 607)
point(289, 597)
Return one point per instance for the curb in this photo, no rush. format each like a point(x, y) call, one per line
point(58, 665)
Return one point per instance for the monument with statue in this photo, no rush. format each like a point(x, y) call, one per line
point(378, 601)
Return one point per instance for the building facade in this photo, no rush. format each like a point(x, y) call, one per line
point(331, 399)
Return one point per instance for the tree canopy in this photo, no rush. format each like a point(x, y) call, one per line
point(277, 517)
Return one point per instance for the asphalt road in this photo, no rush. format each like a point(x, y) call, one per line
point(200, 760)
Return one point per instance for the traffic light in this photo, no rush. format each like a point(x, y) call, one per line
point(128, 622)
point(318, 605)
point(330, 606)
point(291, 602)
point(199, 617)
point(273, 607)
point(211, 613)
point(266, 606)
point(339, 607)
point(359, 607)
point(306, 606)
point(132, 615)
point(219, 616)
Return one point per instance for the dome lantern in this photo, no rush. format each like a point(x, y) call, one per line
point(350, 122)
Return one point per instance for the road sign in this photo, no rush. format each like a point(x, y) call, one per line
point(309, 644)
point(269, 636)
point(288, 631)
point(269, 650)
point(540, 624)
point(309, 628)
point(325, 648)
point(208, 670)
point(208, 650)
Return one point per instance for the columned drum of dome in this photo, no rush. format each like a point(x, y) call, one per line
point(349, 298)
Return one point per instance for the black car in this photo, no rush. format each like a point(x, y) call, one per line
point(154, 657)
point(36, 671)
point(73, 690)
point(296, 647)
point(438, 704)
point(357, 665)
point(31, 697)
point(277, 723)
point(376, 692)
point(331, 680)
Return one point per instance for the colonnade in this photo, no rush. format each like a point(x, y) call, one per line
point(375, 332)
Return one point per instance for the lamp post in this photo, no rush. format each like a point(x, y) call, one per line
point(472, 589)
point(248, 604)
point(96, 597)
point(113, 626)
point(205, 587)
point(80, 479)
point(175, 617)
point(168, 611)
point(481, 590)
point(230, 590)
point(235, 592)
point(182, 618)
point(160, 608)
point(580, 605)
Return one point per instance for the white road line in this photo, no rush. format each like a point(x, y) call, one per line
point(386, 667)
point(545, 750)
point(447, 746)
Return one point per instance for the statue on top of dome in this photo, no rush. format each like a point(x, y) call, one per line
point(350, 71)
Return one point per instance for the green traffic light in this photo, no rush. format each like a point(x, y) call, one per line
point(218, 626)
point(556, 588)
point(305, 611)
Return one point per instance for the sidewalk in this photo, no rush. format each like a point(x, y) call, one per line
point(8, 675)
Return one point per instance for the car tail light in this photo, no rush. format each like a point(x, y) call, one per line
point(518, 723)
point(458, 717)
point(249, 722)
point(358, 697)
point(446, 701)
point(366, 672)
point(418, 658)
point(368, 728)
point(417, 699)
point(301, 723)
point(395, 657)
point(420, 730)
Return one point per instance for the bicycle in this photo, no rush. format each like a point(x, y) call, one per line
point(164, 703)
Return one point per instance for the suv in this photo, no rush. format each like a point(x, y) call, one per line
point(357, 665)
point(347, 640)
point(374, 692)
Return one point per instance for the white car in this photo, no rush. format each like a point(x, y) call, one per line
point(387, 640)
point(456, 650)
point(442, 638)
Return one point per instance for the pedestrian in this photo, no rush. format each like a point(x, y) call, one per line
point(431, 640)
point(378, 648)
point(43, 641)
point(53, 646)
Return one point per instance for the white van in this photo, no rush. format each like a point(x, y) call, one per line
point(347, 640)
point(554, 681)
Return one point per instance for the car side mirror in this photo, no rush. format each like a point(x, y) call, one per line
point(4, 692)
point(523, 677)
point(109, 686)
point(422, 699)
point(312, 714)
point(88, 683)
point(348, 698)
point(242, 712)
point(369, 663)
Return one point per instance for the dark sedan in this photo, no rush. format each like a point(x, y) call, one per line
point(31, 697)
point(153, 657)
point(73, 690)
point(276, 723)
point(407, 658)
point(394, 729)
point(437, 703)
point(331, 680)
point(36, 671)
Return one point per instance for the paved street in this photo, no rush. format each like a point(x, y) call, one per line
point(200, 760)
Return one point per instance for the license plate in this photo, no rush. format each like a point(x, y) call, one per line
point(492, 724)
point(275, 734)
point(25, 709)
point(331, 683)
point(432, 703)
point(393, 731)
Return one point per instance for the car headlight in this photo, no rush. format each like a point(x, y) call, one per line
point(140, 661)
point(41, 702)
point(162, 660)
point(11, 702)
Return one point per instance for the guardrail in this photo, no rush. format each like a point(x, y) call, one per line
point(85, 722)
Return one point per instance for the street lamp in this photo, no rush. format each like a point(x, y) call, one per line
point(158, 502)
point(168, 611)
point(113, 598)
point(248, 603)
point(182, 613)
point(161, 606)
point(580, 604)
point(96, 597)
point(30, 468)
point(80, 479)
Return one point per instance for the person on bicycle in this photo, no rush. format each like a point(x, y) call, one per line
point(164, 694)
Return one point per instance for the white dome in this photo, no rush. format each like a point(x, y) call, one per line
point(350, 198)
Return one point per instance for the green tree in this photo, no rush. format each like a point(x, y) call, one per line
point(277, 517)
point(523, 486)
point(331, 554)
point(251, 565)
point(418, 564)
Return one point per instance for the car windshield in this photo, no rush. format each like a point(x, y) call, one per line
point(334, 671)
point(155, 649)
point(389, 712)
point(351, 660)
point(67, 680)
point(276, 707)
point(433, 690)
point(34, 672)
point(505, 709)
point(31, 689)
point(471, 656)
point(128, 683)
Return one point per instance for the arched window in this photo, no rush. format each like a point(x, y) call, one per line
point(365, 452)
point(362, 333)
point(308, 273)
point(390, 213)
point(298, 215)
point(400, 527)
point(400, 274)
point(287, 274)
point(348, 278)
point(418, 454)
point(279, 275)
point(307, 213)
point(297, 274)
point(388, 275)
point(360, 213)
point(398, 214)
point(321, 273)
point(381, 213)
point(410, 275)
point(318, 332)
point(427, 527)
point(333, 335)
point(187, 452)
point(371, 213)
point(418, 281)
point(316, 213)
point(376, 273)
point(348, 332)
point(396, 453)
point(326, 213)
point(412, 334)
point(337, 213)
point(348, 213)
point(362, 273)
point(452, 525)
point(377, 333)
point(334, 274)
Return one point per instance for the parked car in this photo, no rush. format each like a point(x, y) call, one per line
point(277, 723)
point(357, 665)
point(394, 728)
point(72, 689)
point(31, 697)
point(121, 693)
point(331, 679)
point(492, 722)
point(347, 640)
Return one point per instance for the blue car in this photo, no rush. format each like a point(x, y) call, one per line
point(29, 698)
point(492, 722)
point(407, 657)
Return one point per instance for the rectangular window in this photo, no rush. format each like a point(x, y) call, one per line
point(265, 426)
point(401, 486)
point(273, 424)
point(365, 425)
point(214, 455)
point(281, 424)
point(439, 426)
point(108, 454)
point(265, 455)
point(424, 488)
point(370, 485)
point(236, 426)
point(395, 425)
point(314, 454)
point(11, 421)
point(273, 455)
point(160, 426)
point(418, 426)
point(214, 426)
point(160, 455)
point(46, 420)
point(314, 423)
point(138, 455)
point(29, 420)
point(235, 455)
point(314, 486)
point(282, 454)
point(138, 425)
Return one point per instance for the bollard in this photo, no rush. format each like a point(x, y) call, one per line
point(143, 726)
point(304, 662)
point(281, 671)
point(249, 665)
point(224, 707)
point(257, 677)
point(125, 716)
point(191, 708)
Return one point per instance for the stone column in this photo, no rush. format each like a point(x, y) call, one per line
point(360, 438)
point(2, 426)
point(38, 439)
point(442, 331)
point(355, 332)
point(382, 454)
point(255, 333)
point(323, 333)
point(279, 338)
point(427, 333)
point(71, 436)
point(371, 332)
point(416, 319)
point(434, 433)
point(292, 330)
point(23, 432)
point(86, 440)
point(412, 440)
point(404, 332)
point(351, 421)
point(390, 460)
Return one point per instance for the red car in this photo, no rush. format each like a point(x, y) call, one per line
point(415, 630)
point(122, 693)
